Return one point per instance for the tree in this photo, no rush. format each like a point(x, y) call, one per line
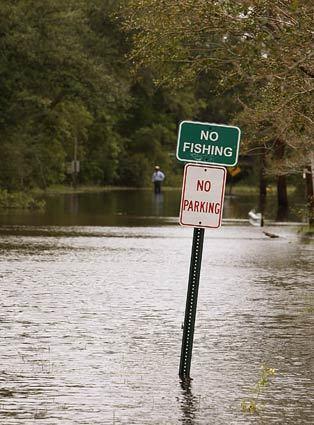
point(57, 85)
point(149, 131)
point(260, 49)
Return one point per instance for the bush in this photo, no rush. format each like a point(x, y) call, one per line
point(135, 170)
point(19, 200)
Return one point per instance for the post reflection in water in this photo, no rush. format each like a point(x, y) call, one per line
point(72, 206)
point(189, 404)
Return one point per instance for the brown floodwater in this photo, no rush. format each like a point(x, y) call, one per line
point(92, 303)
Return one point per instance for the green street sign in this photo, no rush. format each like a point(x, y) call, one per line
point(208, 143)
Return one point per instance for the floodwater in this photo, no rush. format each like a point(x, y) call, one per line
point(92, 305)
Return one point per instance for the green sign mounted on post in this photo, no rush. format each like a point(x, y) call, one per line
point(208, 143)
point(202, 194)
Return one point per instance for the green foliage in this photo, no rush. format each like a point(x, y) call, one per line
point(102, 152)
point(56, 79)
point(19, 200)
point(258, 54)
point(250, 49)
point(252, 406)
point(135, 170)
point(66, 87)
point(65, 82)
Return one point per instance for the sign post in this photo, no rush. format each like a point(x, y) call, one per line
point(202, 204)
point(191, 304)
point(201, 207)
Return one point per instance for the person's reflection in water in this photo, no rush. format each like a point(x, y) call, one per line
point(189, 404)
point(158, 200)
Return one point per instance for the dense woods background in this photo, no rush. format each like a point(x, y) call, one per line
point(108, 82)
point(65, 80)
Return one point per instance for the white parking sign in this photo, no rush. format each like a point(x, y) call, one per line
point(202, 196)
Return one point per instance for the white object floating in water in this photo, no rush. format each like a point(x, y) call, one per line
point(256, 219)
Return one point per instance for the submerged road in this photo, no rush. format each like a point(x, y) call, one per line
point(91, 326)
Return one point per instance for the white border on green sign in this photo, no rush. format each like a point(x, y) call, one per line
point(205, 162)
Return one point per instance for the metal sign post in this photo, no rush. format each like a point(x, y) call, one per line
point(201, 206)
point(202, 200)
point(191, 303)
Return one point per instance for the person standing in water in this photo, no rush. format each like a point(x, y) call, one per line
point(157, 178)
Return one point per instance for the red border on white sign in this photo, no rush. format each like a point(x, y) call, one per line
point(221, 197)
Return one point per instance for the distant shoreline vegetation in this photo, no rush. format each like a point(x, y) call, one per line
point(30, 199)
point(20, 200)
point(68, 189)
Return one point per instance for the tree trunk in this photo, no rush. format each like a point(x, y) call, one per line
point(282, 195)
point(262, 181)
point(310, 194)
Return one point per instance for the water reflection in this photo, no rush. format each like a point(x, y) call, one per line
point(128, 208)
point(72, 204)
point(158, 200)
point(188, 403)
point(91, 325)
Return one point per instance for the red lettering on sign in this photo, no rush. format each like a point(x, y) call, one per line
point(217, 208)
point(211, 207)
point(190, 207)
point(202, 206)
point(203, 185)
